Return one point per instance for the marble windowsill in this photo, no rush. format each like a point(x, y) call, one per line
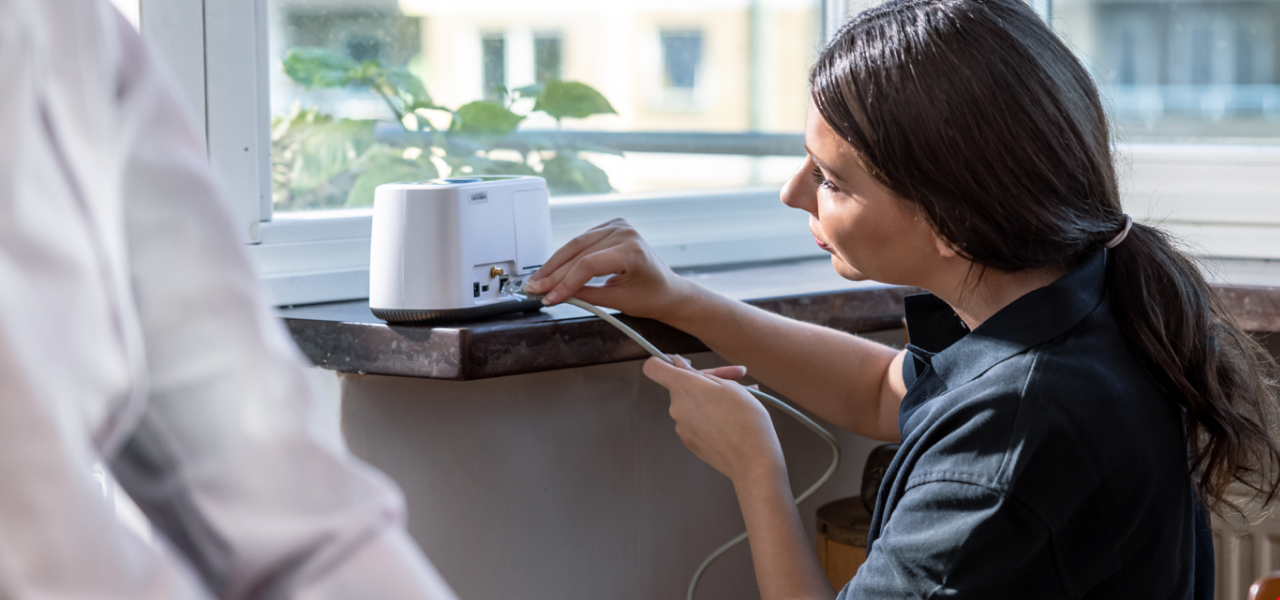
point(345, 336)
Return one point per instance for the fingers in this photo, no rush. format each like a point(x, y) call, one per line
point(605, 262)
point(568, 251)
point(658, 372)
point(730, 373)
point(574, 248)
point(670, 376)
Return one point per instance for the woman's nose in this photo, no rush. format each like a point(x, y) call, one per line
point(800, 191)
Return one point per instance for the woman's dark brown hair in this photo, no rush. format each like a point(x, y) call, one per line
point(976, 112)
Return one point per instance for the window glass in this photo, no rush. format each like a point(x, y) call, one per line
point(370, 91)
point(493, 48)
point(1182, 69)
point(681, 58)
point(546, 58)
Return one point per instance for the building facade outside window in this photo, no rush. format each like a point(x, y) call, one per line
point(1182, 71)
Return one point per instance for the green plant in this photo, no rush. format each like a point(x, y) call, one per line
point(323, 162)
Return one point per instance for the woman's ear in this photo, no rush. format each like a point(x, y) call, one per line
point(944, 248)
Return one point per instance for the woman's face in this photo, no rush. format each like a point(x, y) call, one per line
point(870, 233)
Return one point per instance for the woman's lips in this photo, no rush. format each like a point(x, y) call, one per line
point(818, 240)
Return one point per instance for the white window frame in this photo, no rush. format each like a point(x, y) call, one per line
point(1224, 199)
point(210, 46)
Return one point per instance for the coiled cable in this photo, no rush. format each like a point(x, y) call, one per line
point(763, 397)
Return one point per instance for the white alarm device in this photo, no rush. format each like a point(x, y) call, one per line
point(455, 249)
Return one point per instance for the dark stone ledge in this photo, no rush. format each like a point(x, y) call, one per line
point(1256, 308)
point(345, 336)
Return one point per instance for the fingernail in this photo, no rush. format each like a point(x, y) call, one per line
point(550, 298)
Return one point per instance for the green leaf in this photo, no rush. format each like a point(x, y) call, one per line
point(285, 129)
point(384, 164)
point(368, 73)
point(327, 149)
point(319, 67)
point(409, 88)
point(568, 174)
point(485, 119)
point(562, 99)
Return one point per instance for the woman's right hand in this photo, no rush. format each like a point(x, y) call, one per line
point(641, 284)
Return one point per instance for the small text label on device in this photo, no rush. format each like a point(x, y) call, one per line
point(479, 197)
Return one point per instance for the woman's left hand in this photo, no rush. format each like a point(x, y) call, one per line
point(719, 420)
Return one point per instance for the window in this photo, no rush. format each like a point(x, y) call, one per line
point(493, 57)
point(1193, 91)
point(1180, 71)
point(667, 68)
point(673, 171)
point(546, 58)
point(681, 59)
point(697, 116)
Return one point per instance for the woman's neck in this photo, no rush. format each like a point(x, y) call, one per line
point(976, 294)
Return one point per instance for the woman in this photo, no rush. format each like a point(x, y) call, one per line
point(1075, 395)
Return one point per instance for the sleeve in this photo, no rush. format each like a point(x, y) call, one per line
point(59, 539)
point(235, 460)
point(962, 540)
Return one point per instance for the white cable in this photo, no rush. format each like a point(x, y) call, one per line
point(763, 397)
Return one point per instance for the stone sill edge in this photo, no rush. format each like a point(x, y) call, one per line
point(471, 351)
point(474, 351)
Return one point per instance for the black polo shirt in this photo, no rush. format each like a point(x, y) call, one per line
point(1039, 459)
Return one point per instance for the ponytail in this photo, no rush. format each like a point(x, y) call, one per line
point(1220, 376)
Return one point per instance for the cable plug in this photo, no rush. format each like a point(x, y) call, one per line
point(524, 292)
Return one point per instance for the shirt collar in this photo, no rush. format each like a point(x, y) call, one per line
point(939, 338)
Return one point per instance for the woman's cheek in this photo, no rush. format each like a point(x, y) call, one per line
point(844, 259)
point(860, 255)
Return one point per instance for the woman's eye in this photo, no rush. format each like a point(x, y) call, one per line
point(822, 181)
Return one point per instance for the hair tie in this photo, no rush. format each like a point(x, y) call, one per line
point(1115, 241)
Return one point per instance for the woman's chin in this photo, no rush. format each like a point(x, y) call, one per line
point(845, 270)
